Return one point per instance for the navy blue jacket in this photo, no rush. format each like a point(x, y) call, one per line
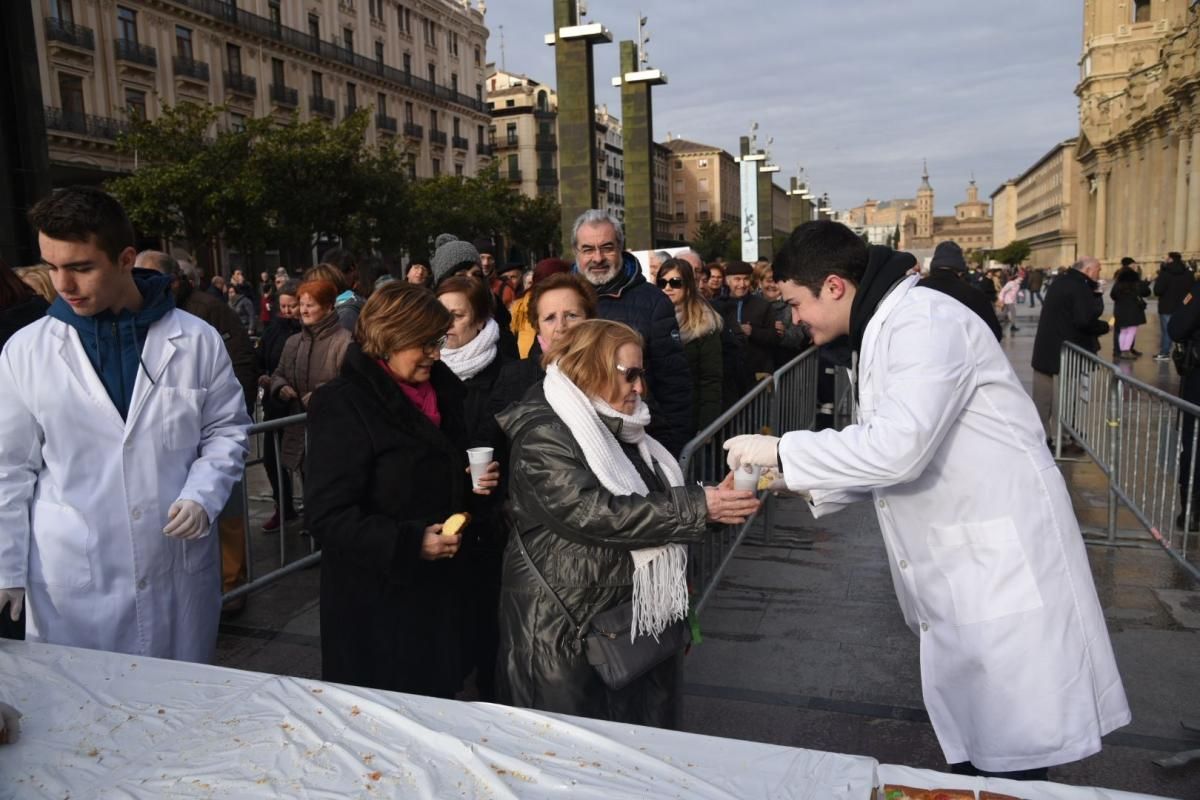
point(114, 342)
point(630, 299)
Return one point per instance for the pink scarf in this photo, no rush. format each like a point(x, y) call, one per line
point(420, 395)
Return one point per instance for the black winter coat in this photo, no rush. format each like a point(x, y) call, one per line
point(1185, 327)
point(1070, 313)
point(18, 315)
point(759, 346)
point(579, 536)
point(1173, 283)
point(379, 472)
point(947, 281)
point(1129, 309)
point(270, 351)
point(628, 298)
point(705, 363)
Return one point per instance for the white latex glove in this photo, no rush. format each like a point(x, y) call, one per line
point(15, 600)
point(754, 449)
point(186, 519)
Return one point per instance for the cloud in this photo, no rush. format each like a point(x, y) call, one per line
point(858, 92)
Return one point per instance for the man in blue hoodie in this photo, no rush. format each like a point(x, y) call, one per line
point(124, 432)
point(626, 296)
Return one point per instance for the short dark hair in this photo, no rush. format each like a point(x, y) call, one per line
point(818, 249)
point(77, 213)
point(341, 258)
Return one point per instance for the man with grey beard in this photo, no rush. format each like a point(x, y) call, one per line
point(626, 296)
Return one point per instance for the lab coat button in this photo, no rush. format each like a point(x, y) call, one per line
point(883, 503)
point(137, 514)
point(142, 584)
point(924, 626)
point(903, 564)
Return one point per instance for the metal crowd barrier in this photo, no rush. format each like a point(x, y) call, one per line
point(784, 401)
point(1136, 434)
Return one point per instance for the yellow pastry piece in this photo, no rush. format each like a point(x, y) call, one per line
point(456, 523)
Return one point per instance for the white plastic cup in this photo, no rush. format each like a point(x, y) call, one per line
point(478, 458)
point(745, 479)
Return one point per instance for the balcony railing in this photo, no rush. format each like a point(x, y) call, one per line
point(253, 24)
point(602, 185)
point(190, 68)
point(546, 141)
point(136, 52)
point(70, 33)
point(84, 124)
point(514, 175)
point(547, 176)
point(460, 143)
point(284, 96)
point(437, 137)
point(680, 216)
point(325, 106)
point(413, 131)
point(484, 149)
point(385, 123)
point(241, 83)
point(350, 108)
point(512, 140)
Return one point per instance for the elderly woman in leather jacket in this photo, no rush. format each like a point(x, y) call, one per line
point(591, 495)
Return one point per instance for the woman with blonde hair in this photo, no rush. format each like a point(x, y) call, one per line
point(700, 329)
point(600, 512)
point(387, 468)
point(38, 279)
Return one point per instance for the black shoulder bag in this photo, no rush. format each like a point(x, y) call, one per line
point(605, 638)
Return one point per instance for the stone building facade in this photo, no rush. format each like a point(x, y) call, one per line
point(1004, 214)
point(705, 185)
point(1139, 142)
point(418, 63)
point(1047, 203)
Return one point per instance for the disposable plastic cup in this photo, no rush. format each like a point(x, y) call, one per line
point(478, 458)
point(746, 477)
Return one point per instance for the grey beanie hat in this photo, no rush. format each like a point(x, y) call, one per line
point(948, 255)
point(449, 255)
point(443, 238)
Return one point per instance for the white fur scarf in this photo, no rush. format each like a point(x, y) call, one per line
point(659, 573)
point(473, 357)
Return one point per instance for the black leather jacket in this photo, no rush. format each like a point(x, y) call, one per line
point(580, 536)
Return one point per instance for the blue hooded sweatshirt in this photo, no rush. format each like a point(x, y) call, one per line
point(114, 342)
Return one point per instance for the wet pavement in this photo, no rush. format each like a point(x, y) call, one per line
point(804, 644)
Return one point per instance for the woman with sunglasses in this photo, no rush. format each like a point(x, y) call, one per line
point(700, 329)
point(387, 466)
point(599, 507)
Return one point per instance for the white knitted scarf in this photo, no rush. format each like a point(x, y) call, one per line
point(659, 573)
point(473, 357)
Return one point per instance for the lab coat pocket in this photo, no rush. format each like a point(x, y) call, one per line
point(200, 554)
point(179, 412)
point(59, 547)
point(986, 569)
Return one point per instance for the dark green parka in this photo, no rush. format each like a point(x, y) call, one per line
point(579, 535)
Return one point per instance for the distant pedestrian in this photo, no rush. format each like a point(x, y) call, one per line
point(948, 275)
point(1034, 282)
point(1129, 308)
point(1171, 286)
point(1008, 302)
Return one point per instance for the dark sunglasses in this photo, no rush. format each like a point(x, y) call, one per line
point(632, 374)
point(674, 283)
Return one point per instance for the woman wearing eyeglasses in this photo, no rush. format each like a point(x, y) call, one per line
point(700, 329)
point(386, 467)
point(592, 495)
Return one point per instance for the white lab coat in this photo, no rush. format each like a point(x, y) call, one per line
point(989, 566)
point(84, 494)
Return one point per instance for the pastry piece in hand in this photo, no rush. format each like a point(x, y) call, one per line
point(891, 792)
point(455, 524)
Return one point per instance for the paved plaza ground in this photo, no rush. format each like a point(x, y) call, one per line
point(804, 644)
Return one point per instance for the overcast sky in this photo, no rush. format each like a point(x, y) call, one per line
point(856, 91)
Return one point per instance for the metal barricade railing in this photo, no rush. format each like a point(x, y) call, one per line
point(1137, 434)
point(258, 433)
point(784, 401)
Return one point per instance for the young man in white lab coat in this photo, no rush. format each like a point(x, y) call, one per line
point(1017, 670)
point(124, 430)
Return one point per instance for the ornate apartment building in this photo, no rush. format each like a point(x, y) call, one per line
point(1047, 201)
point(1139, 143)
point(705, 185)
point(970, 227)
point(418, 63)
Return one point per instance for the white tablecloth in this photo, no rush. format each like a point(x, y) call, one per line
point(108, 725)
point(104, 725)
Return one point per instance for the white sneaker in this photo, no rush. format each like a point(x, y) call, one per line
point(1162, 357)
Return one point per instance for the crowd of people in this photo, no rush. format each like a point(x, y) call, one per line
point(488, 457)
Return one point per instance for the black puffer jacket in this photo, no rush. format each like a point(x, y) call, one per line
point(1070, 313)
point(628, 298)
point(580, 536)
point(1129, 309)
point(1173, 283)
point(379, 472)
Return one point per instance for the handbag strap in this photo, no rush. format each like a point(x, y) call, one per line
point(538, 574)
